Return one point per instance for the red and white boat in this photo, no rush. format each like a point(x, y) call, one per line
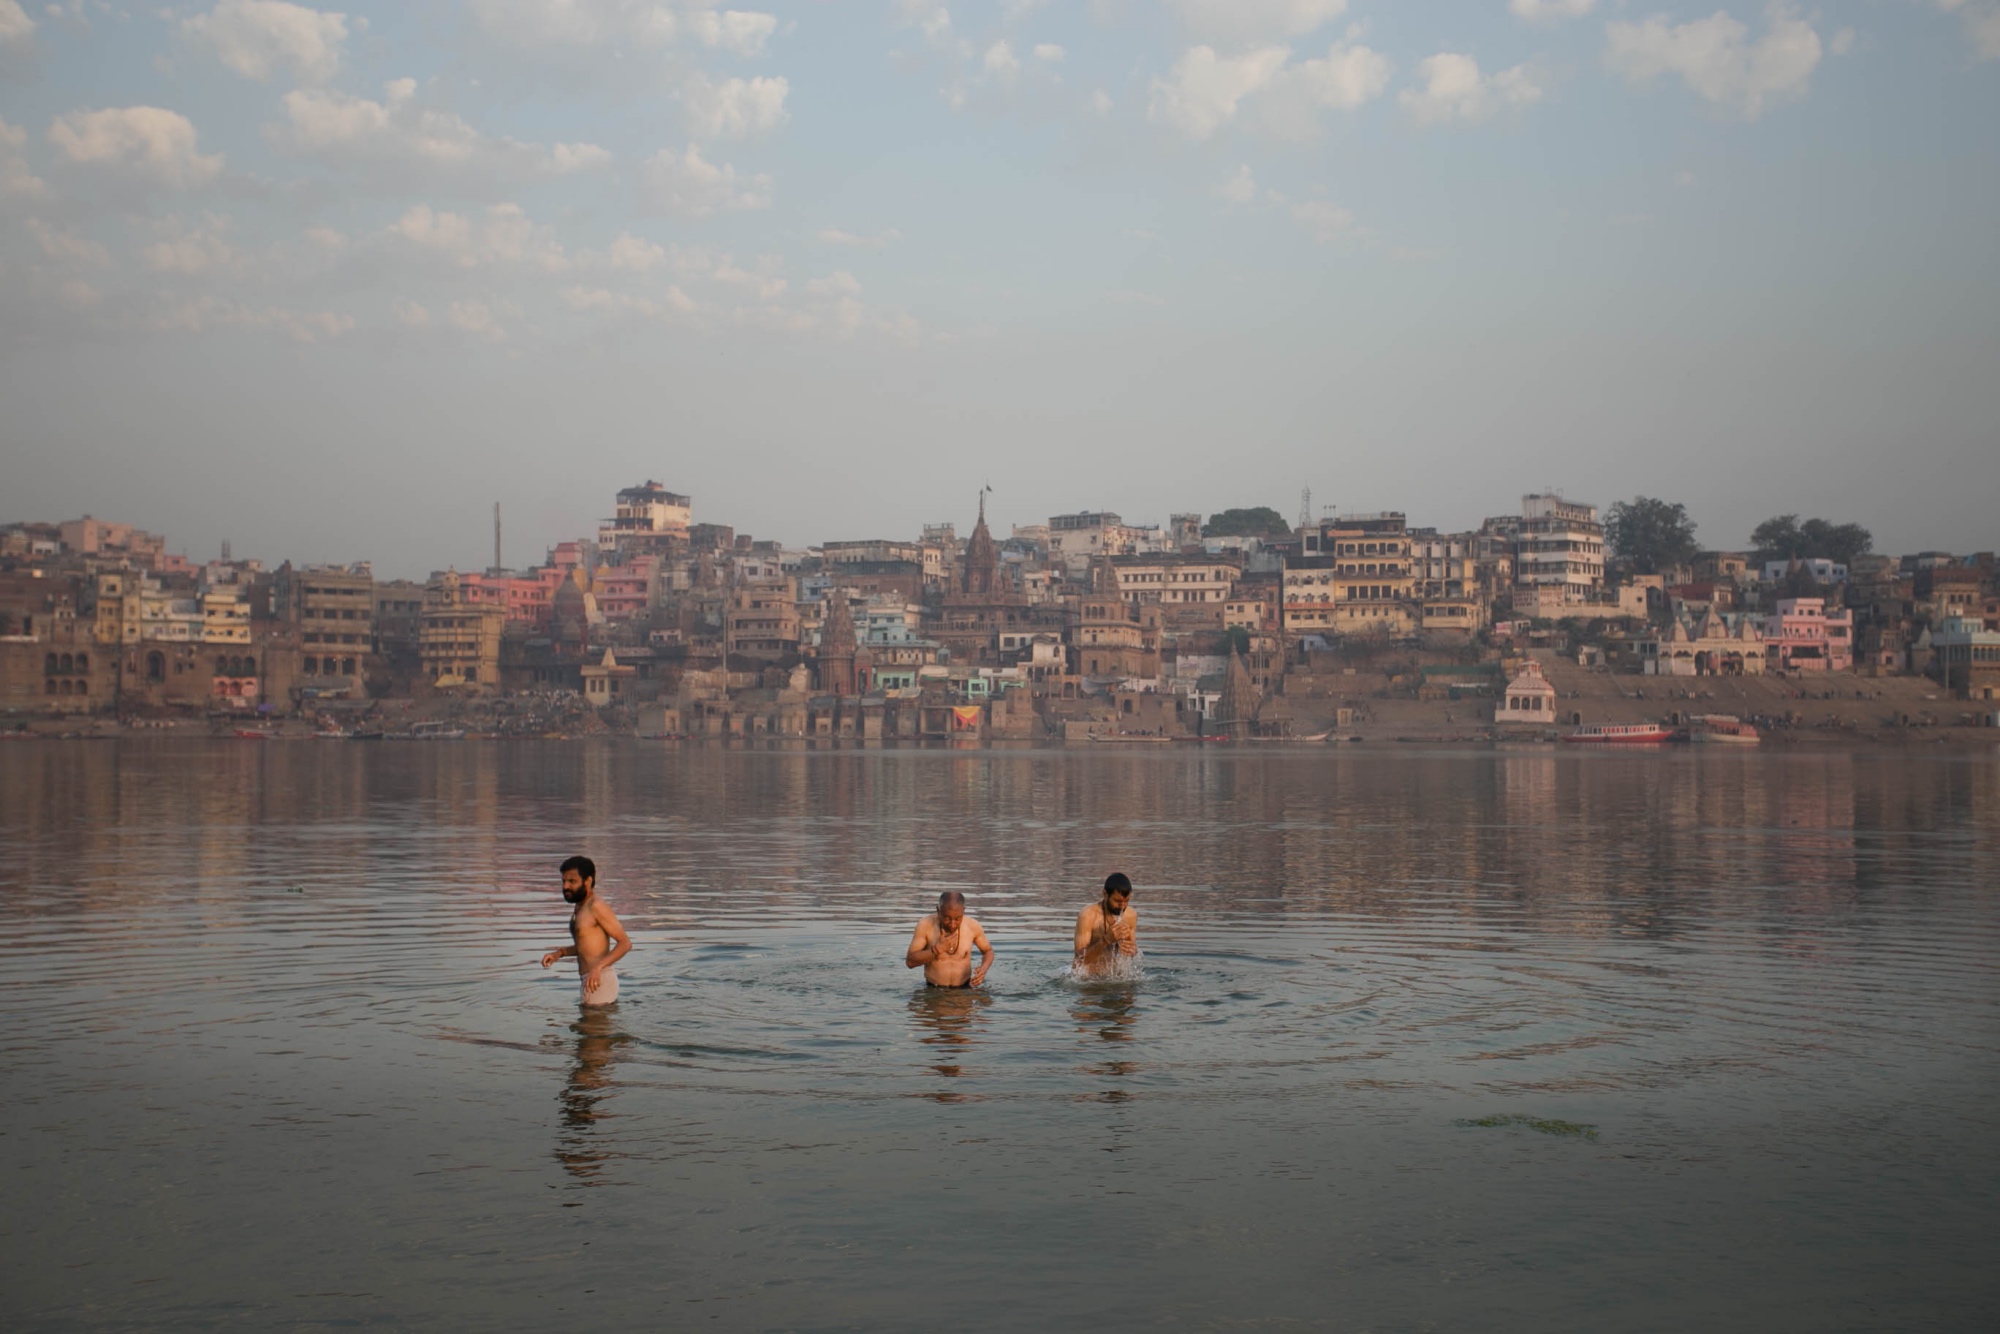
point(1622, 734)
point(1721, 729)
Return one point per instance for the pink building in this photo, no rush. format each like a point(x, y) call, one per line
point(529, 598)
point(624, 591)
point(1805, 637)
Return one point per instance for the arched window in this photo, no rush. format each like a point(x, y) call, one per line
point(236, 666)
point(249, 666)
point(51, 685)
point(83, 662)
point(64, 688)
point(156, 667)
point(68, 664)
point(83, 687)
point(222, 666)
point(49, 669)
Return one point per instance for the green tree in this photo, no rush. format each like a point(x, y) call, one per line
point(1650, 535)
point(1262, 521)
point(1783, 537)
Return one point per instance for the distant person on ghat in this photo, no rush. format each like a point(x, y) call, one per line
point(592, 929)
point(1108, 929)
point(943, 943)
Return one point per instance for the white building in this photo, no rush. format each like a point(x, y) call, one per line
point(1560, 545)
point(645, 515)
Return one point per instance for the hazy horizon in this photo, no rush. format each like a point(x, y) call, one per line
point(328, 282)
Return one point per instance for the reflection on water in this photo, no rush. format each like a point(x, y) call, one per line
point(582, 1145)
point(278, 1052)
point(949, 1021)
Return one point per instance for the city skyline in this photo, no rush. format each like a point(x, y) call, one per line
point(328, 281)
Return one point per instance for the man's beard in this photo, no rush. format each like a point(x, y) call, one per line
point(574, 895)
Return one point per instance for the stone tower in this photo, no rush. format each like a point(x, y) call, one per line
point(836, 646)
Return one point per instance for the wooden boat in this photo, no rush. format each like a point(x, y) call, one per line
point(1621, 734)
point(1721, 729)
point(252, 734)
point(1122, 739)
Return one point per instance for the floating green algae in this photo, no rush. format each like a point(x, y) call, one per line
point(1541, 1125)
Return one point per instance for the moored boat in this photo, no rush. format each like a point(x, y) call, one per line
point(1721, 729)
point(1621, 734)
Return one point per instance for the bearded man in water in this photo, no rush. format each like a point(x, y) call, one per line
point(943, 943)
point(1107, 929)
point(592, 929)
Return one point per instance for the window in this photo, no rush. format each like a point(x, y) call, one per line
point(249, 666)
point(68, 664)
point(49, 669)
point(51, 685)
point(156, 667)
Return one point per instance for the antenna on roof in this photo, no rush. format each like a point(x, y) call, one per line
point(496, 537)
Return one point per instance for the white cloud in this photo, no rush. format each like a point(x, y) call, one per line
point(1240, 188)
point(741, 32)
point(150, 142)
point(691, 186)
point(1100, 102)
point(1348, 77)
point(1326, 220)
point(66, 247)
point(475, 318)
point(1252, 20)
point(1203, 89)
point(209, 312)
point(257, 38)
point(191, 251)
point(1454, 89)
point(735, 108)
point(838, 283)
point(1000, 60)
point(532, 24)
point(1048, 52)
point(413, 315)
point(326, 238)
point(1716, 59)
point(15, 25)
point(505, 236)
point(852, 241)
point(1982, 24)
point(17, 180)
point(672, 302)
point(635, 254)
point(1549, 11)
point(404, 138)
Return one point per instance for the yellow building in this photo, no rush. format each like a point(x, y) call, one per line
point(458, 641)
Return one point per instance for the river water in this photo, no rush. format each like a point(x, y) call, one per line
point(1425, 1039)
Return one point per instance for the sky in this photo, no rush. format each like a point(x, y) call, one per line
point(328, 282)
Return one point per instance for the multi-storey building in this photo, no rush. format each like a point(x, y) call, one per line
point(762, 623)
point(1559, 548)
point(1175, 579)
point(1965, 658)
point(458, 641)
point(225, 614)
point(873, 551)
point(1805, 637)
point(1355, 577)
point(333, 608)
point(648, 518)
point(1075, 540)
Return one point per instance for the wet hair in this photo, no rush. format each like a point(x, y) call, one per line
point(951, 896)
point(583, 866)
point(1117, 883)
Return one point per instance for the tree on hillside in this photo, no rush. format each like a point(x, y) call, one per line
point(1650, 535)
point(1783, 537)
point(1262, 521)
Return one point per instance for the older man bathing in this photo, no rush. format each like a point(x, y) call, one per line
point(943, 943)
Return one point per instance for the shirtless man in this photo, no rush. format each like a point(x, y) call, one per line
point(592, 928)
point(1107, 928)
point(942, 945)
